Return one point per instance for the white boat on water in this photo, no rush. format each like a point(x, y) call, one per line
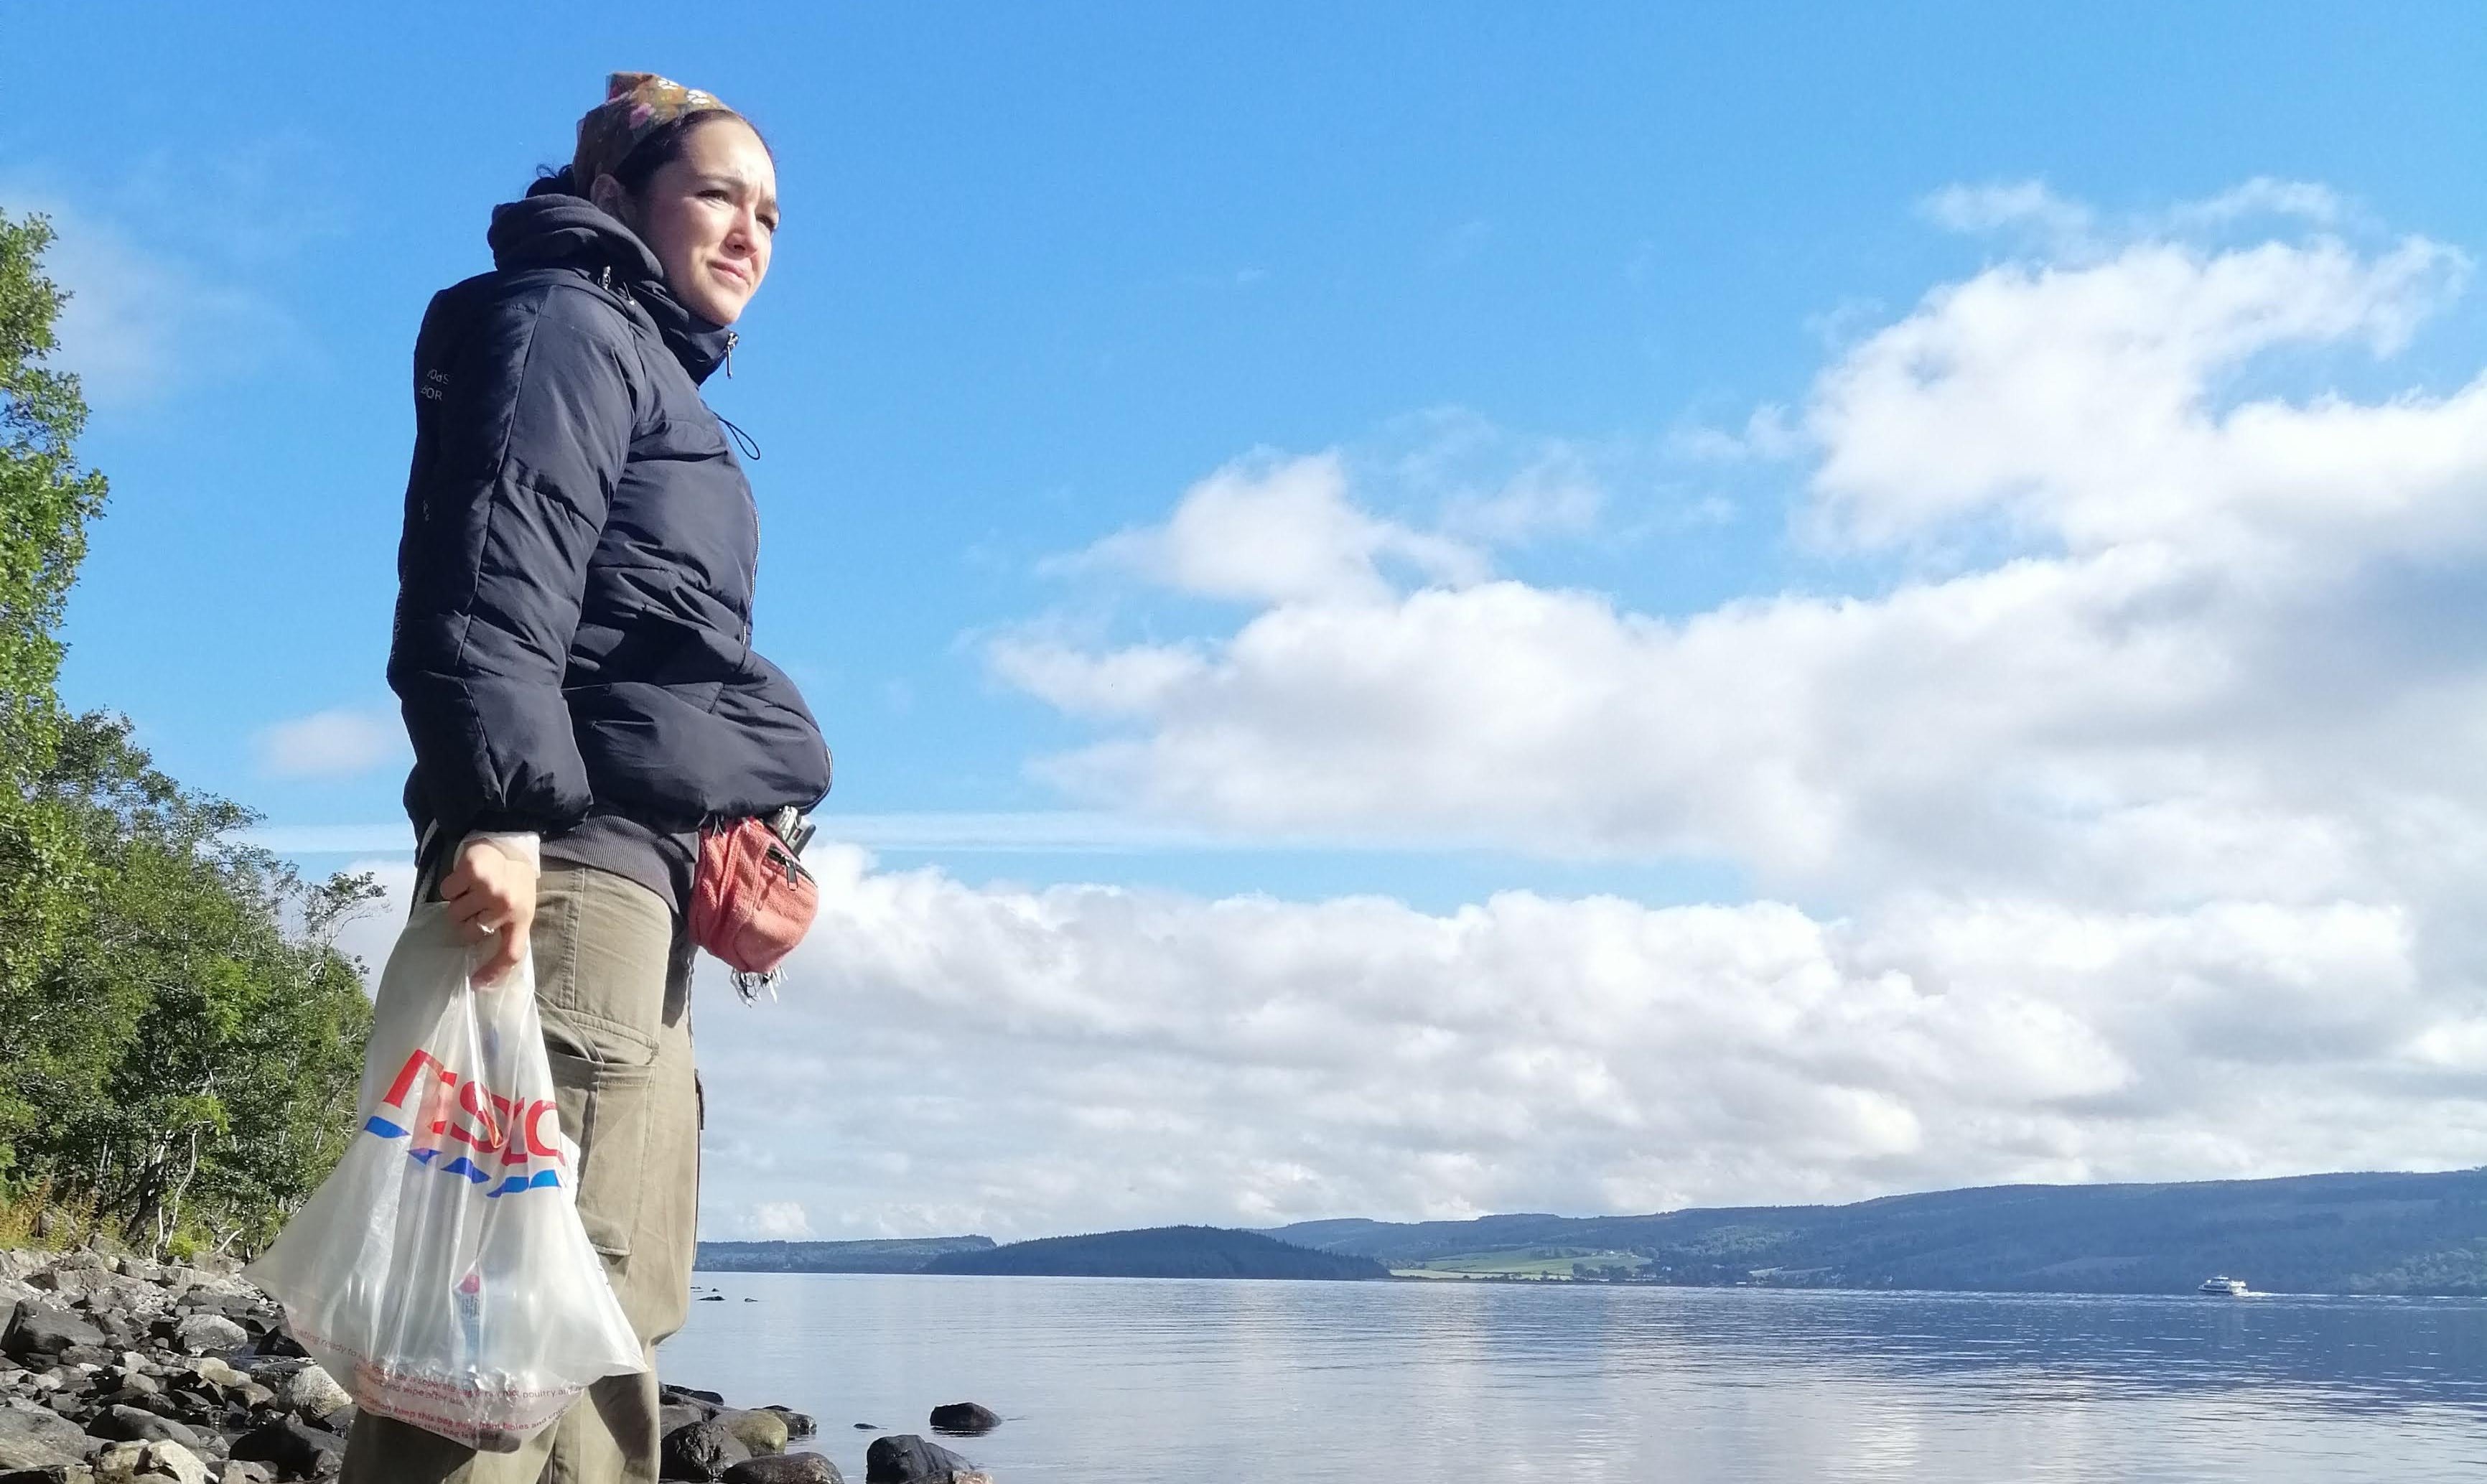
point(2227, 1287)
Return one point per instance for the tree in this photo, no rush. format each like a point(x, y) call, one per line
point(46, 499)
point(45, 502)
point(180, 1039)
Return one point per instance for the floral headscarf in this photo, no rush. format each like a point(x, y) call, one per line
point(636, 105)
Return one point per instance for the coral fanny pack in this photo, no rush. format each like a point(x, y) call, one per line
point(752, 900)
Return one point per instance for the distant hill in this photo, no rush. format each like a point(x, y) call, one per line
point(903, 1256)
point(2344, 1234)
point(1160, 1252)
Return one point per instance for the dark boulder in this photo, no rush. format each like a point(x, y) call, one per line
point(799, 1424)
point(132, 1424)
point(903, 1457)
point(278, 1343)
point(965, 1419)
point(295, 1447)
point(785, 1468)
point(702, 1450)
point(44, 1329)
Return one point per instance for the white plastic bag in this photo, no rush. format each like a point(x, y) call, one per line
point(441, 1274)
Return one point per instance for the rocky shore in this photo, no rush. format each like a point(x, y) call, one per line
point(116, 1370)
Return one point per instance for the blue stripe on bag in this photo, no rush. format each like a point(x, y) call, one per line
point(544, 1180)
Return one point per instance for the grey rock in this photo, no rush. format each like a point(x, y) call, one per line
point(762, 1432)
point(45, 1330)
point(200, 1333)
point(964, 1419)
point(312, 1392)
point(673, 1415)
point(785, 1468)
point(799, 1424)
point(703, 1450)
point(38, 1437)
point(136, 1424)
point(148, 1462)
point(245, 1473)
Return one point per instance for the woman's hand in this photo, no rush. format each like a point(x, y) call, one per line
point(491, 896)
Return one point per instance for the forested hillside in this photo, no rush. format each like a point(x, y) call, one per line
point(2346, 1233)
point(1160, 1252)
point(902, 1255)
point(180, 1040)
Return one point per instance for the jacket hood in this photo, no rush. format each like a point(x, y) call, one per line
point(555, 231)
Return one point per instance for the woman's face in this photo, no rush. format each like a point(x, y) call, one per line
point(709, 215)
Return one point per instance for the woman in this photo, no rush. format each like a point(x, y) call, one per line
point(571, 652)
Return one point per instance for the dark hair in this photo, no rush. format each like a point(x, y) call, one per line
point(661, 147)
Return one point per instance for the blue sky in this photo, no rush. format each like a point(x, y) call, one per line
point(1509, 305)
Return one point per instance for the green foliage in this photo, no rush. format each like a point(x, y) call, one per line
point(45, 500)
point(180, 1040)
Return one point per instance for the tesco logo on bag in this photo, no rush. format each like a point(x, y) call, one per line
point(453, 1110)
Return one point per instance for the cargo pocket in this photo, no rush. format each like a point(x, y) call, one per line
point(608, 1108)
point(601, 957)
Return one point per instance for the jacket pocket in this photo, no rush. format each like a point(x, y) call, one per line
point(680, 437)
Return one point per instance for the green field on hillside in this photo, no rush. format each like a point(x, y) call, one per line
point(1557, 1264)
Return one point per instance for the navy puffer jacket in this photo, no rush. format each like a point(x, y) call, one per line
point(573, 619)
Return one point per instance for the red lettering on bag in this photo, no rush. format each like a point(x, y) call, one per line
point(536, 1144)
point(405, 1076)
point(490, 1123)
point(511, 1148)
point(471, 1100)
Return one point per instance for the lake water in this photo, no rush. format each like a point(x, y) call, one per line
point(1138, 1381)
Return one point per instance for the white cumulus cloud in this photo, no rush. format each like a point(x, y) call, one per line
point(2166, 642)
point(1284, 530)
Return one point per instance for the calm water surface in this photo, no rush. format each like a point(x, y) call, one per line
point(1137, 1381)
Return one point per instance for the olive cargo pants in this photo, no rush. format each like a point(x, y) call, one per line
point(613, 983)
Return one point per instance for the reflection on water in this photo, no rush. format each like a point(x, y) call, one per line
point(1115, 1381)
